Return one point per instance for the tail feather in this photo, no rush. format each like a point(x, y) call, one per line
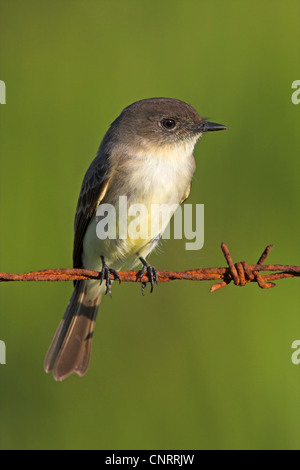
point(71, 346)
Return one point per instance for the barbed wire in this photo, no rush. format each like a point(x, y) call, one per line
point(240, 273)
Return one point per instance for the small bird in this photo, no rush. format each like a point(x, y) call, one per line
point(147, 156)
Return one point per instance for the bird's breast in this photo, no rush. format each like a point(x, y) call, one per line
point(139, 186)
point(154, 175)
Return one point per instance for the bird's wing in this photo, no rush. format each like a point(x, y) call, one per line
point(93, 189)
point(186, 194)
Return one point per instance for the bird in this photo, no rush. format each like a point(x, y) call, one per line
point(146, 157)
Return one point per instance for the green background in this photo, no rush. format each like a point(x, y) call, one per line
point(181, 368)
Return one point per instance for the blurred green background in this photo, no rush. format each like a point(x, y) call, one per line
point(182, 368)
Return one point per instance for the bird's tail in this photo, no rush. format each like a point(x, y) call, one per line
point(71, 346)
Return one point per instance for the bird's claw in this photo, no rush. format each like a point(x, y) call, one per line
point(105, 274)
point(151, 273)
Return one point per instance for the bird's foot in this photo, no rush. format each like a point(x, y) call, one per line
point(151, 273)
point(105, 274)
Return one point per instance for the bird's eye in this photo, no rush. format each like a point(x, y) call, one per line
point(168, 123)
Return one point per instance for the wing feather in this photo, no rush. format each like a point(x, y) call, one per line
point(92, 191)
point(187, 193)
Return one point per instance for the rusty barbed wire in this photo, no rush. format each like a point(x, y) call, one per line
point(240, 273)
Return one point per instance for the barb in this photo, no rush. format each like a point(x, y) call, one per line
point(240, 273)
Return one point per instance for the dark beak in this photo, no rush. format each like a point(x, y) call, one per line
point(211, 126)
